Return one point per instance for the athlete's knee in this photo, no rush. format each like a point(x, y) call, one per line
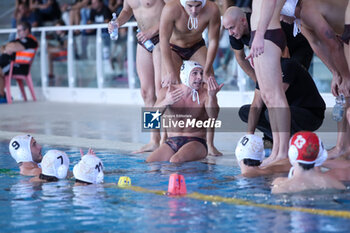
point(148, 94)
point(272, 99)
point(176, 159)
point(348, 115)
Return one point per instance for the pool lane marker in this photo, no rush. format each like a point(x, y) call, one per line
point(234, 201)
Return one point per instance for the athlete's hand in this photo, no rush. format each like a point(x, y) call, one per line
point(335, 84)
point(213, 86)
point(173, 95)
point(90, 152)
point(344, 87)
point(143, 36)
point(256, 49)
point(169, 79)
point(111, 27)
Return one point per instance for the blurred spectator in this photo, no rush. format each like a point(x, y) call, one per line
point(57, 47)
point(25, 41)
point(115, 6)
point(244, 3)
point(118, 54)
point(23, 14)
point(100, 13)
point(46, 10)
point(79, 12)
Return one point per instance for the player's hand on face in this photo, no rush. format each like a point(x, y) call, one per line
point(213, 86)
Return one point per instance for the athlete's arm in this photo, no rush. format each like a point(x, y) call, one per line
point(13, 47)
point(167, 23)
point(327, 47)
point(254, 112)
point(125, 14)
point(213, 37)
point(244, 64)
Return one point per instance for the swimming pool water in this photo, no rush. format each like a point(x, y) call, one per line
point(61, 206)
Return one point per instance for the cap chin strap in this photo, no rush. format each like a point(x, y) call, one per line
point(297, 25)
point(192, 23)
point(195, 95)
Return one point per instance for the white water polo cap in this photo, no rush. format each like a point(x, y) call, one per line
point(185, 72)
point(192, 22)
point(20, 148)
point(89, 169)
point(304, 148)
point(55, 163)
point(250, 146)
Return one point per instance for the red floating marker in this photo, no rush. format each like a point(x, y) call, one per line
point(177, 185)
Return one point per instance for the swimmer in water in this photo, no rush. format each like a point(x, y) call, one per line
point(54, 166)
point(27, 153)
point(89, 170)
point(303, 152)
point(250, 154)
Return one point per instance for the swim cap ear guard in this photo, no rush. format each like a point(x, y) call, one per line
point(185, 72)
point(89, 169)
point(250, 146)
point(20, 148)
point(55, 163)
point(192, 22)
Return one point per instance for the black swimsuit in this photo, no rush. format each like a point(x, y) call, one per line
point(186, 53)
point(346, 35)
point(176, 143)
point(277, 36)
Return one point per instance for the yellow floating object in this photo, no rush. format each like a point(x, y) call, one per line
point(124, 181)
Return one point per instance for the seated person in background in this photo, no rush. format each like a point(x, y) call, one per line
point(89, 170)
point(54, 166)
point(250, 153)
point(303, 153)
point(27, 153)
point(100, 13)
point(24, 14)
point(188, 98)
point(24, 48)
point(46, 10)
point(57, 48)
point(306, 104)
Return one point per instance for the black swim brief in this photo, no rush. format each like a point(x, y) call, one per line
point(186, 53)
point(176, 143)
point(346, 34)
point(276, 36)
point(155, 40)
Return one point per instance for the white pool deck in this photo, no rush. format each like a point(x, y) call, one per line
point(104, 127)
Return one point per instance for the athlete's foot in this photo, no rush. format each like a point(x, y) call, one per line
point(268, 160)
point(213, 151)
point(339, 152)
point(150, 147)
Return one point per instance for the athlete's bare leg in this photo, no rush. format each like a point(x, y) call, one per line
point(145, 71)
point(191, 151)
point(269, 75)
point(163, 153)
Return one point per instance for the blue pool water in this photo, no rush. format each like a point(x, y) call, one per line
point(61, 206)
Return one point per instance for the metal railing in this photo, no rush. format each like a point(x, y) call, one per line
point(71, 72)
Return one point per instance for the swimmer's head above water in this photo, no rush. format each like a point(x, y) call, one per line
point(23, 148)
point(191, 75)
point(192, 8)
point(306, 149)
point(54, 165)
point(250, 150)
point(89, 170)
